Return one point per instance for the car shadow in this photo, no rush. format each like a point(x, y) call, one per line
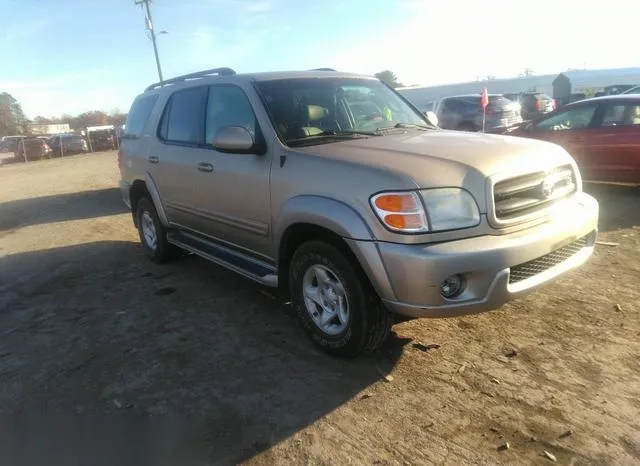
point(619, 205)
point(218, 365)
point(61, 207)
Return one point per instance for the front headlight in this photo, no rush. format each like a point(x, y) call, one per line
point(446, 209)
point(450, 209)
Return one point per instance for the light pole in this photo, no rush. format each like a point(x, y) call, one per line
point(149, 24)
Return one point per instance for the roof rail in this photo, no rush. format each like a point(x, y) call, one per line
point(197, 74)
point(323, 69)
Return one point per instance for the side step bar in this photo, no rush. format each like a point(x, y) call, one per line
point(254, 269)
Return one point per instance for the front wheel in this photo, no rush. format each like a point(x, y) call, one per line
point(338, 308)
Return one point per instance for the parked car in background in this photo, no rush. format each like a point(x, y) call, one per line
point(464, 112)
point(616, 89)
point(576, 96)
point(32, 148)
point(102, 139)
point(532, 104)
point(602, 134)
point(11, 143)
point(633, 90)
point(71, 144)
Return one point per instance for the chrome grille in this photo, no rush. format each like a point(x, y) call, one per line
point(539, 265)
point(522, 195)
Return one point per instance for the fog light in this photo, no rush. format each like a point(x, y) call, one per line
point(452, 286)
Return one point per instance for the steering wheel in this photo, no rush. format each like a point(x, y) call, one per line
point(372, 122)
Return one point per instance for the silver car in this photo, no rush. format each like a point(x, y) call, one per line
point(333, 188)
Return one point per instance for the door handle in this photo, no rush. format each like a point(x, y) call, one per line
point(205, 167)
point(153, 159)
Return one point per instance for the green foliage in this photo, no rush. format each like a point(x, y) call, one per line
point(388, 77)
point(12, 119)
point(80, 122)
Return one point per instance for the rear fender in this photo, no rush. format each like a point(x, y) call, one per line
point(152, 189)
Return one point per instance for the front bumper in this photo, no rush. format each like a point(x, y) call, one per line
point(415, 272)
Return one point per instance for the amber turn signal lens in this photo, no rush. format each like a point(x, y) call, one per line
point(396, 203)
point(400, 211)
point(404, 222)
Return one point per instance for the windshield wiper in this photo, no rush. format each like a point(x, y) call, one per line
point(349, 133)
point(406, 125)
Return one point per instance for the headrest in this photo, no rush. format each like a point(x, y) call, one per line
point(316, 112)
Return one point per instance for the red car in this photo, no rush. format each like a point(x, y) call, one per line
point(602, 134)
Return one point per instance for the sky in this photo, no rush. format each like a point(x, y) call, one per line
point(70, 56)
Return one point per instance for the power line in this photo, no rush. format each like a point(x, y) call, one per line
point(149, 26)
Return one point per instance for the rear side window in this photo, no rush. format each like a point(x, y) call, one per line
point(498, 101)
point(621, 115)
point(138, 116)
point(183, 119)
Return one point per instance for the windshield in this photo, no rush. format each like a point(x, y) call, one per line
point(316, 111)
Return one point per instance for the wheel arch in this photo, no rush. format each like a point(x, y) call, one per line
point(307, 218)
point(147, 188)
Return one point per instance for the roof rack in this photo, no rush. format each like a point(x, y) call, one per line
point(323, 69)
point(197, 74)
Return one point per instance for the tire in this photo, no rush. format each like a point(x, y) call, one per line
point(149, 225)
point(364, 326)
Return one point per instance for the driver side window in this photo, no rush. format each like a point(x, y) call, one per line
point(574, 118)
point(228, 106)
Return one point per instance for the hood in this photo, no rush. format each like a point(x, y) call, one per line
point(440, 158)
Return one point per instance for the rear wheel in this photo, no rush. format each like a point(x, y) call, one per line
point(338, 308)
point(153, 235)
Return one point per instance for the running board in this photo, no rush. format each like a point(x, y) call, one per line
point(249, 267)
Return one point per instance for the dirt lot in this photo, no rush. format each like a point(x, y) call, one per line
point(188, 362)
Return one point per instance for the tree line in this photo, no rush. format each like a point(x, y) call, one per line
point(14, 122)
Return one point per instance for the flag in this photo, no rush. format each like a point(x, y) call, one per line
point(484, 99)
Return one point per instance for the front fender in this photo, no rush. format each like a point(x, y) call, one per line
point(324, 212)
point(341, 219)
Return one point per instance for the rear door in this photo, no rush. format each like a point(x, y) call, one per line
point(614, 152)
point(174, 161)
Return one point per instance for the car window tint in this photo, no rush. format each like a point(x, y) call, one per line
point(453, 105)
point(228, 106)
point(574, 118)
point(184, 115)
point(138, 116)
point(613, 115)
point(632, 115)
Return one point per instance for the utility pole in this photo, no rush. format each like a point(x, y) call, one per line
point(149, 23)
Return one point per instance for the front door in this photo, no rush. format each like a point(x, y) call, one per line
point(570, 128)
point(233, 202)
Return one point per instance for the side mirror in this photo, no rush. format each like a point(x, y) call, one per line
point(431, 117)
point(234, 140)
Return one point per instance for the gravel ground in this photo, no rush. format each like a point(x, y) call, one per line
point(106, 355)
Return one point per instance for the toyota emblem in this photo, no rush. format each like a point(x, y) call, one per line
point(547, 187)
